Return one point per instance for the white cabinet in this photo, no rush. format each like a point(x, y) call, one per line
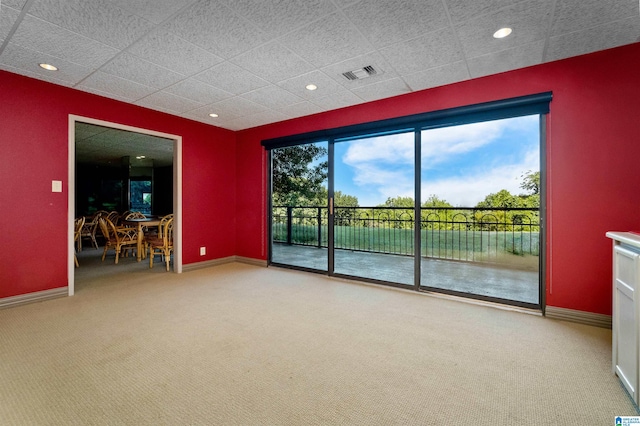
point(626, 310)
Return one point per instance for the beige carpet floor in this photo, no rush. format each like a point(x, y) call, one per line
point(243, 345)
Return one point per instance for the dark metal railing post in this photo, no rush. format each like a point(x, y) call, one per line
point(289, 224)
point(319, 227)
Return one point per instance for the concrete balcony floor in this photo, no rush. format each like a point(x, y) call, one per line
point(484, 279)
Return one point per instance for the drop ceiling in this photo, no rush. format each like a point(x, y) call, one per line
point(249, 60)
point(108, 147)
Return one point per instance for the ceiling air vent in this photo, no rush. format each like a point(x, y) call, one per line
point(360, 73)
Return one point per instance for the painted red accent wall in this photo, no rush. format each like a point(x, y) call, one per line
point(34, 151)
point(592, 161)
point(592, 157)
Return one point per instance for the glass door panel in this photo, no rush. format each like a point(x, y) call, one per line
point(373, 207)
point(299, 206)
point(480, 226)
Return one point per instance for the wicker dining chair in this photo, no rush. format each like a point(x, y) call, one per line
point(89, 231)
point(163, 244)
point(77, 229)
point(117, 238)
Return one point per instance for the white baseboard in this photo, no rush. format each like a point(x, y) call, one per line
point(582, 317)
point(37, 296)
point(222, 261)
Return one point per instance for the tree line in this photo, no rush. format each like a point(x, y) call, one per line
point(299, 174)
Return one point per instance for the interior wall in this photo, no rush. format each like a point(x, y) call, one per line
point(591, 163)
point(34, 117)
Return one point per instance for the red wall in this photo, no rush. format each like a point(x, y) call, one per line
point(592, 161)
point(34, 151)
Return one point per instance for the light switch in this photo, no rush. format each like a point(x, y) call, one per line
point(56, 186)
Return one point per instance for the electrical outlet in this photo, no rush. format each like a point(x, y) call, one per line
point(203, 251)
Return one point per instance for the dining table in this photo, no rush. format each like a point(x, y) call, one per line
point(139, 223)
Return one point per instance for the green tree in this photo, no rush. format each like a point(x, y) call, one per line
point(436, 214)
point(298, 173)
point(434, 201)
point(502, 198)
point(531, 182)
point(344, 216)
point(398, 218)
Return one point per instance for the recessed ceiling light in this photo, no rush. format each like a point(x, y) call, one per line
point(502, 32)
point(141, 157)
point(311, 87)
point(214, 115)
point(48, 67)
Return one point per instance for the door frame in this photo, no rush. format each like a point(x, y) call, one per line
point(534, 104)
point(177, 189)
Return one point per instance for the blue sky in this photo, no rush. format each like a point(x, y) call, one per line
point(460, 164)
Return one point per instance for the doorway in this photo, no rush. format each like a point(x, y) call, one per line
point(175, 204)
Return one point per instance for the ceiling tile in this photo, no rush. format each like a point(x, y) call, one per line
point(16, 4)
point(168, 102)
point(117, 96)
point(528, 21)
point(216, 28)
point(593, 39)
point(325, 84)
point(120, 87)
point(231, 108)
point(61, 43)
point(272, 97)
point(198, 91)
point(8, 18)
point(375, 59)
point(155, 11)
point(259, 119)
point(577, 15)
point(28, 60)
point(276, 18)
point(384, 89)
point(95, 19)
point(231, 78)
point(438, 76)
point(461, 10)
point(44, 77)
point(301, 109)
point(392, 21)
point(202, 115)
point(273, 62)
point(345, 3)
point(327, 41)
point(338, 100)
point(517, 57)
point(431, 50)
point(174, 53)
point(140, 71)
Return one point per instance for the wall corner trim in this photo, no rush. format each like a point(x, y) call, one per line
point(582, 317)
point(38, 296)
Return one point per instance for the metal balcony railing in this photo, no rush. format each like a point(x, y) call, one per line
point(456, 233)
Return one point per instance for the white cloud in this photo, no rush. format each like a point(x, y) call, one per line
point(468, 190)
point(383, 166)
point(393, 149)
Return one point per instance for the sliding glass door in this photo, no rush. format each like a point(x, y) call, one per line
point(373, 208)
point(449, 202)
point(480, 209)
point(299, 200)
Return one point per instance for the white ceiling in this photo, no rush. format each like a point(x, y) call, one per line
point(250, 60)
